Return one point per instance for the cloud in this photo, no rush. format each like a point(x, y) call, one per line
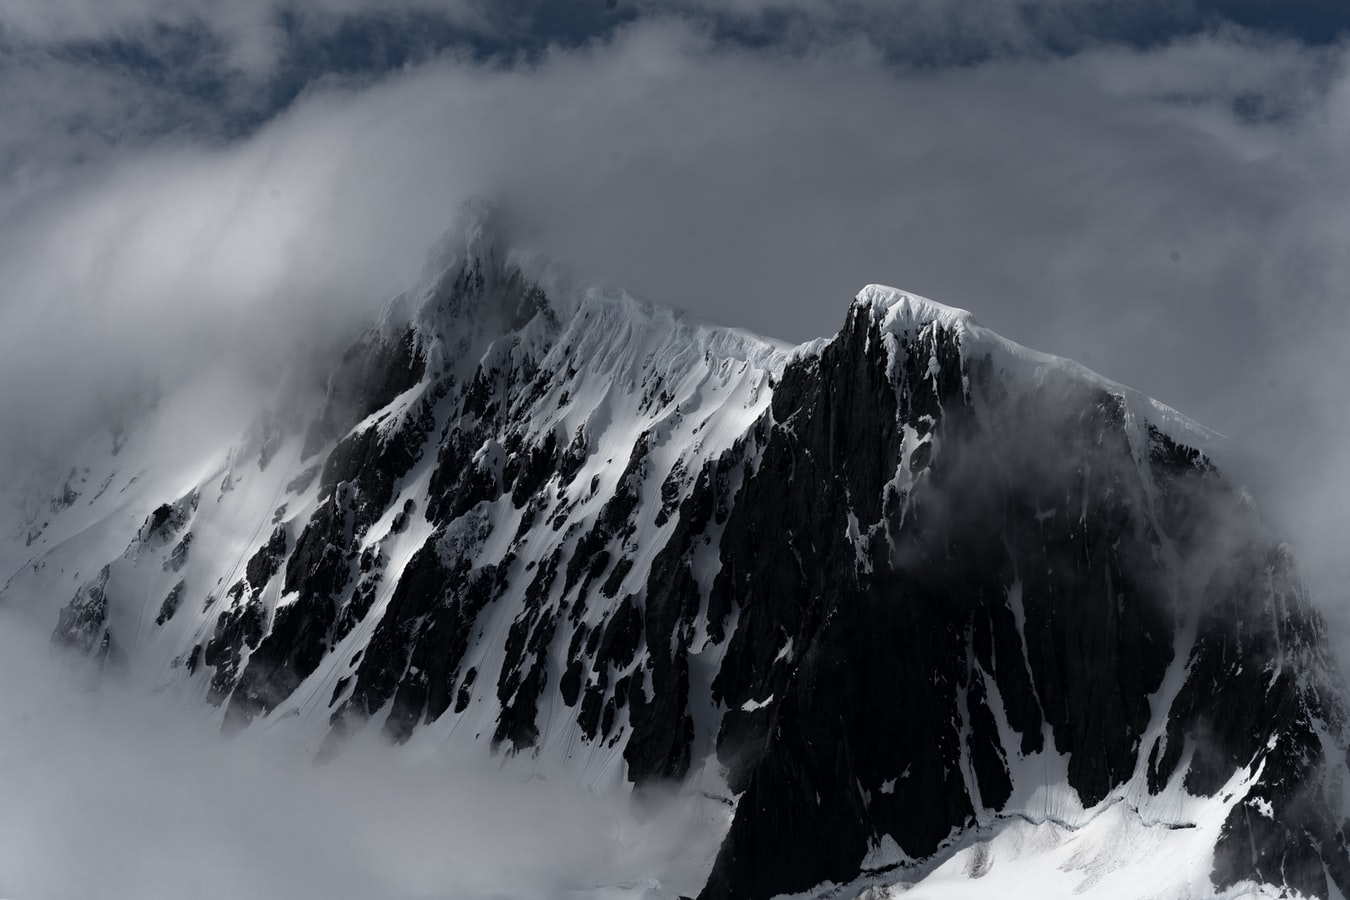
point(945, 32)
point(125, 795)
point(1169, 214)
point(250, 36)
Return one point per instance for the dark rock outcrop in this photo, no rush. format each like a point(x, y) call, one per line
point(1032, 556)
point(83, 623)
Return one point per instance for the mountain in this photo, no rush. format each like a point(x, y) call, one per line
point(902, 599)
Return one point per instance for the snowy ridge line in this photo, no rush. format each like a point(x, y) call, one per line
point(896, 310)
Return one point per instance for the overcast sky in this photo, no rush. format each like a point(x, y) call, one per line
point(1156, 189)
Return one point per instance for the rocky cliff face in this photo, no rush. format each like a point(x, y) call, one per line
point(987, 570)
point(888, 588)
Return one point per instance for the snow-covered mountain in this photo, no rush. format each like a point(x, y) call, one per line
point(919, 604)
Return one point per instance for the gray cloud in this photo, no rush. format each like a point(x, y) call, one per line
point(249, 36)
point(118, 794)
point(942, 32)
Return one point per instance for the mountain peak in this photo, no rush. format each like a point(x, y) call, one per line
point(894, 311)
point(894, 307)
point(478, 230)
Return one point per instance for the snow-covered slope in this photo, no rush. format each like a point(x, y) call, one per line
point(913, 604)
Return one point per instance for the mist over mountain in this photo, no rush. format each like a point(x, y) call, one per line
point(871, 611)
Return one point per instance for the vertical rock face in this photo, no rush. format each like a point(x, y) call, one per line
point(882, 584)
point(1025, 585)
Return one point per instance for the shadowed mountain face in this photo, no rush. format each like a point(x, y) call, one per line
point(888, 587)
point(1050, 575)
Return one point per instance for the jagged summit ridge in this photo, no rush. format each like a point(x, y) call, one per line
point(479, 289)
point(479, 251)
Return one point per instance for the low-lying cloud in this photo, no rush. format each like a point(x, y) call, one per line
point(111, 793)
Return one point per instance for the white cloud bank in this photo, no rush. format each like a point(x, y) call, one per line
point(114, 794)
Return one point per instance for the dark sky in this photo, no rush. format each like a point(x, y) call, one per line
point(1157, 189)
